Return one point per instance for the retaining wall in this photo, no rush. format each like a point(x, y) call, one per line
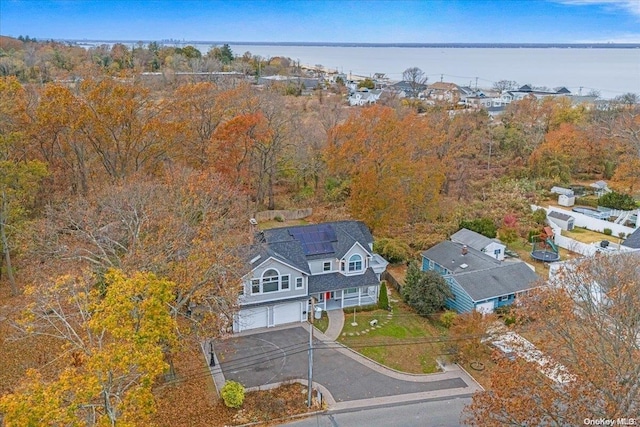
point(285, 214)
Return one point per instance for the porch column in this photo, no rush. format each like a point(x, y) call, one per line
point(359, 296)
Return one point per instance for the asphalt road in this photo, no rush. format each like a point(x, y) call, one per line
point(439, 413)
point(281, 355)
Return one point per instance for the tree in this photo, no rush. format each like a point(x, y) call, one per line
point(383, 299)
point(425, 291)
point(416, 78)
point(117, 330)
point(590, 323)
point(502, 85)
point(615, 200)
point(366, 83)
point(484, 226)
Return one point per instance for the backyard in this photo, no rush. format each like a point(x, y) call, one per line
point(587, 236)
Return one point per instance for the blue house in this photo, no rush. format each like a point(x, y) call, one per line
point(477, 280)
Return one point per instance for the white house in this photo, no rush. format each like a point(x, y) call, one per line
point(331, 262)
point(492, 247)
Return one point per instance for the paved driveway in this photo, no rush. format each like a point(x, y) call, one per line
point(281, 355)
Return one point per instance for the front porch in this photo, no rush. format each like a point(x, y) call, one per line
point(344, 298)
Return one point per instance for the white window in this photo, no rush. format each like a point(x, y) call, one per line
point(355, 262)
point(504, 298)
point(326, 266)
point(284, 282)
point(270, 280)
point(255, 286)
point(351, 291)
point(496, 252)
point(298, 282)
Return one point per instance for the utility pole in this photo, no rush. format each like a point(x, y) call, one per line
point(310, 373)
point(476, 84)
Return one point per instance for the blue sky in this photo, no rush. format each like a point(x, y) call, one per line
point(377, 21)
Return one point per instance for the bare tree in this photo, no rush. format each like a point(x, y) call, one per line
point(416, 78)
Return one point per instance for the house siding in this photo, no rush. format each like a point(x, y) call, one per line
point(462, 302)
point(283, 269)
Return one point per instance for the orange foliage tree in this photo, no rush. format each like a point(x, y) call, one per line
point(394, 174)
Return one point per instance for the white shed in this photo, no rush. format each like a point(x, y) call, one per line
point(565, 200)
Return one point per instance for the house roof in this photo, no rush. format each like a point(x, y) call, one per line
point(501, 280)
point(328, 240)
point(633, 240)
point(443, 86)
point(449, 255)
point(470, 238)
point(334, 281)
point(559, 215)
point(599, 185)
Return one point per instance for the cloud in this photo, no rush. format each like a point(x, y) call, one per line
point(630, 6)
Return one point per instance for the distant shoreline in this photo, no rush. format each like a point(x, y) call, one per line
point(378, 45)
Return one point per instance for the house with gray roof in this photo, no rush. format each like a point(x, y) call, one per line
point(633, 240)
point(492, 247)
point(477, 280)
point(332, 262)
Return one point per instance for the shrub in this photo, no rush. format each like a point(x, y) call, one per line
point(393, 250)
point(279, 218)
point(484, 226)
point(447, 318)
point(607, 231)
point(616, 200)
point(539, 216)
point(425, 291)
point(232, 394)
point(383, 299)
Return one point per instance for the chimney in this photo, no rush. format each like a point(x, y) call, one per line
point(464, 250)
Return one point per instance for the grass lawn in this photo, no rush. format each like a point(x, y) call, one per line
point(323, 323)
point(587, 236)
point(403, 341)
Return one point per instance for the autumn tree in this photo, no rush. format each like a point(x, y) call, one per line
point(589, 323)
point(116, 330)
point(394, 174)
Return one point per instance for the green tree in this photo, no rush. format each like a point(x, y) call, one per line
point(616, 200)
point(484, 226)
point(368, 83)
point(425, 291)
point(383, 299)
point(232, 394)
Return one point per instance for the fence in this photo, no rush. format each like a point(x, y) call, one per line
point(590, 223)
point(286, 215)
point(386, 275)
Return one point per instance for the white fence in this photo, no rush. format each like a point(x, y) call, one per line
point(590, 223)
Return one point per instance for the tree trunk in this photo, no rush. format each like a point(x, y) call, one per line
point(5, 246)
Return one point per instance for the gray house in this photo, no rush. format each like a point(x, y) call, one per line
point(492, 247)
point(633, 240)
point(477, 281)
point(331, 262)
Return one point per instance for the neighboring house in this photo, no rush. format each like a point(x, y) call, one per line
point(600, 188)
point(527, 91)
point(477, 281)
point(443, 91)
point(406, 89)
point(563, 221)
point(633, 240)
point(306, 83)
point(492, 247)
point(331, 262)
point(364, 97)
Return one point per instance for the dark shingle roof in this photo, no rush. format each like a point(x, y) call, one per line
point(281, 244)
point(633, 241)
point(498, 281)
point(559, 215)
point(470, 238)
point(449, 255)
point(335, 281)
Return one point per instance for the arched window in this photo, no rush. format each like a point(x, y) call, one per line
point(270, 279)
point(355, 262)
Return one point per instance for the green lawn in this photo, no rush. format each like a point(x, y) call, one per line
point(323, 323)
point(404, 341)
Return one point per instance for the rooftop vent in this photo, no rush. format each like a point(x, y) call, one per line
point(465, 250)
point(463, 266)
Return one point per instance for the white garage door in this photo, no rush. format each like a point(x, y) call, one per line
point(251, 319)
point(485, 307)
point(287, 313)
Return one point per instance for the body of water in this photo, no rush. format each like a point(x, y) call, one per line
point(611, 71)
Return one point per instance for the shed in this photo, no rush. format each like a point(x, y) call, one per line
point(562, 190)
point(565, 200)
point(563, 221)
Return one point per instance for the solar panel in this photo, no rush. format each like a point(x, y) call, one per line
point(315, 239)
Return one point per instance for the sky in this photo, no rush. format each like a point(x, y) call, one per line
point(338, 21)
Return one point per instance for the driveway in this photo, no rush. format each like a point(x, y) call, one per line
point(281, 355)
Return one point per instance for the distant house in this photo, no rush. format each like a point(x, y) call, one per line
point(406, 89)
point(444, 91)
point(364, 97)
point(563, 221)
point(332, 262)
point(600, 188)
point(306, 83)
point(492, 247)
point(527, 91)
point(477, 281)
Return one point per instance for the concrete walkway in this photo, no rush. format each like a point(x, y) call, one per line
point(336, 323)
